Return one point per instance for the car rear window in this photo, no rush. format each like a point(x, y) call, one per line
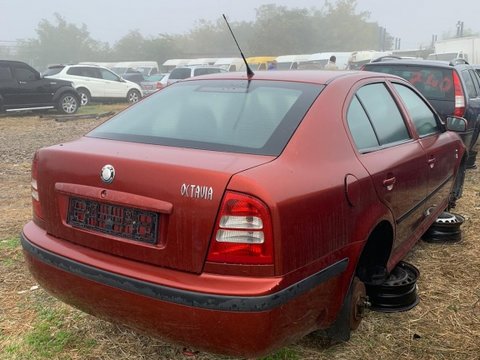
point(255, 117)
point(52, 71)
point(434, 83)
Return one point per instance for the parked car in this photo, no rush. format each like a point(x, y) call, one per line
point(158, 80)
point(96, 83)
point(23, 88)
point(159, 77)
point(148, 86)
point(453, 88)
point(247, 212)
point(185, 72)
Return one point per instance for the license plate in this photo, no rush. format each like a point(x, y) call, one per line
point(126, 222)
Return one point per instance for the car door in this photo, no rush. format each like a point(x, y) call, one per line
point(395, 161)
point(440, 150)
point(86, 77)
point(114, 86)
point(8, 85)
point(472, 111)
point(31, 89)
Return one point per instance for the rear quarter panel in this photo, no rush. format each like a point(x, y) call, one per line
point(314, 222)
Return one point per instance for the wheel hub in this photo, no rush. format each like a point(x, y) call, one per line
point(359, 303)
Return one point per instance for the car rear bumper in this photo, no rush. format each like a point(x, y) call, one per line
point(217, 319)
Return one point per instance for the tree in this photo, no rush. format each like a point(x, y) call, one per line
point(343, 29)
point(278, 30)
point(60, 43)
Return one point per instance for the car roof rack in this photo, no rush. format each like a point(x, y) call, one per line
point(458, 61)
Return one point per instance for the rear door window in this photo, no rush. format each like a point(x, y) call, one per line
point(374, 119)
point(180, 74)
point(469, 85)
point(360, 127)
point(422, 116)
point(383, 113)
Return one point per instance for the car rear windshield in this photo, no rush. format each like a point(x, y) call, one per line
point(52, 71)
point(255, 117)
point(434, 83)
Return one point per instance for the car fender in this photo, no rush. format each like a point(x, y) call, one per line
point(64, 89)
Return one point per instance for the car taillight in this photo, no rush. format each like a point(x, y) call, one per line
point(459, 96)
point(243, 232)
point(37, 208)
point(159, 85)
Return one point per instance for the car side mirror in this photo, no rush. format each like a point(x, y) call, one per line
point(456, 123)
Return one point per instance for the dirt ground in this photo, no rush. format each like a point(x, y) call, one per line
point(445, 324)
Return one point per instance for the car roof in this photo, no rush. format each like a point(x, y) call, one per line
point(417, 62)
point(13, 62)
point(308, 76)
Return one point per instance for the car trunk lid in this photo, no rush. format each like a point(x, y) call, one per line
point(159, 208)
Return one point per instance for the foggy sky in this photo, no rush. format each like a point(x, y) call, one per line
point(413, 21)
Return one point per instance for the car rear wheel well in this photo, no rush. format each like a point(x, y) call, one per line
point(372, 264)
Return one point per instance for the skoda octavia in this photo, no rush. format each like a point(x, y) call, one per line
point(238, 213)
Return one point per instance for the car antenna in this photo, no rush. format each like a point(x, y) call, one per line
point(250, 73)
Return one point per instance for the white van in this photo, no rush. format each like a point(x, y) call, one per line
point(360, 58)
point(202, 62)
point(171, 64)
point(319, 60)
point(147, 68)
point(229, 64)
point(290, 62)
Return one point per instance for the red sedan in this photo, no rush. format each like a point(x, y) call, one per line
point(238, 214)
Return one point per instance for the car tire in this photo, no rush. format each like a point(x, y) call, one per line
point(85, 97)
point(472, 157)
point(68, 103)
point(133, 96)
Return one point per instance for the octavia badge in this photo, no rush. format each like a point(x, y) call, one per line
point(107, 174)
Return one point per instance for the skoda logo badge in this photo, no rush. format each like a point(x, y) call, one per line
point(107, 174)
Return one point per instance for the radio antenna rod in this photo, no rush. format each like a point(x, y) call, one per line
point(250, 73)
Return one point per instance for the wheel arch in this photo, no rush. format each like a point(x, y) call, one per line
point(375, 253)
point(64, 90)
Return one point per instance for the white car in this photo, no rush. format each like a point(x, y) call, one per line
point(185, 72)
point(96, 83)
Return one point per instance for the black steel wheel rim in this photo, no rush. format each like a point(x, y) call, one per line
point(398, 292)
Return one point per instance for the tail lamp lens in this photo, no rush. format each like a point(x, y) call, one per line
point(243, 232)
point(459, 96)
point(37, 208)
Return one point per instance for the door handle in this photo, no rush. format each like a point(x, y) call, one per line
point(431, 161)
point(388, 183)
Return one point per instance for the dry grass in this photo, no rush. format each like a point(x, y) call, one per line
point(445, 325)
